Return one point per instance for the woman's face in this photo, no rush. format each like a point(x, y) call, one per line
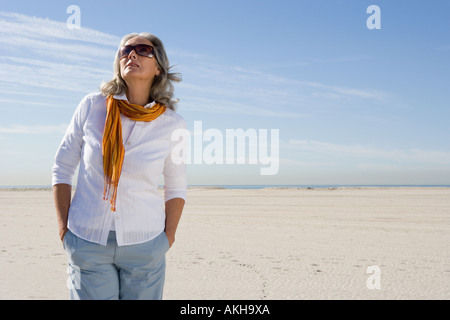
point(138, 68)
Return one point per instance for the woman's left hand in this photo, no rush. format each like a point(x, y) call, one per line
point(171, 238)
point(173, 209)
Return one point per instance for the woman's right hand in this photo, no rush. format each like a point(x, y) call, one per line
point(62, 233)
point(62, 196)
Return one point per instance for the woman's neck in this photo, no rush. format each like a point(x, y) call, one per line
point(138, 94)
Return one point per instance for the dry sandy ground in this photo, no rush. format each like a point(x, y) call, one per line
point(273, 243)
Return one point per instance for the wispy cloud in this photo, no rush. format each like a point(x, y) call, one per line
point(8, 102)
point(302, 62)
point(297, 163)
point(77, 61)
point(34, 129)
point(214, 105)
point(306, 86)
point(343, 59)
point(23, 26)
point(239, 90)
point(47, 74)
point(41, 55)
point(362, 153)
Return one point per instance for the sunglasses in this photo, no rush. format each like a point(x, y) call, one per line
point(141, 49)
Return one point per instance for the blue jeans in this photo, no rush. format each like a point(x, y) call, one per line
point(115, 272)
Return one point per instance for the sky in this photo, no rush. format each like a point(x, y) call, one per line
point(332, 99)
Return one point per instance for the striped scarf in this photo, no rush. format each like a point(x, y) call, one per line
point(113, 150)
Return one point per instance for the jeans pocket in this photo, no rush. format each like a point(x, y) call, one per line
point(64, 239)
point(166, 241)
point(69, 242)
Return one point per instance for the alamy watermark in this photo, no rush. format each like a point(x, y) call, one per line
point(374, 280)
point(74, 20)
point(74, 279)
point(234, 146)
point(374, 20)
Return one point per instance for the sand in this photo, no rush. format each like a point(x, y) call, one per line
point(273, 243)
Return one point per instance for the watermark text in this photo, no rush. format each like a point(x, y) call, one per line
point(74, 20)
point(235, 146)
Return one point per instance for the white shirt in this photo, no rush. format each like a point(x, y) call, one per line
point(140, 213)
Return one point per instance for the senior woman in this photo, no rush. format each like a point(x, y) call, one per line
point(118, 226)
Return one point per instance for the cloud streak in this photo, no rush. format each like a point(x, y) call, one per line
point(360, 152)
point(214, 88)
point(77, 61)
point(41, 55)
point(51, 75)
point(40, 29)
point(35, 129)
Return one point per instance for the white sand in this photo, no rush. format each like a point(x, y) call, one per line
point(270, 243)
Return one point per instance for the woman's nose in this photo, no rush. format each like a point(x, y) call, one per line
point(132, 54)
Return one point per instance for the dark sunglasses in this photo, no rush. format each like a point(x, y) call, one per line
point(141, 49)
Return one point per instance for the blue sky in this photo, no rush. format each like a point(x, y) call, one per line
point(352, 105)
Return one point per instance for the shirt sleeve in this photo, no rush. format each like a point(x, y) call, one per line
point(175, 177)
point(68, 154)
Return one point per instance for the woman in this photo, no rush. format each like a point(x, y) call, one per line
point(117, 228)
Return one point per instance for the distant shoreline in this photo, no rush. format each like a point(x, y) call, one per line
point(247, 187)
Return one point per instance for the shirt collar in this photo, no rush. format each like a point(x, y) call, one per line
point(123, 96)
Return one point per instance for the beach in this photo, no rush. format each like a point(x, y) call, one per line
point(271, 243)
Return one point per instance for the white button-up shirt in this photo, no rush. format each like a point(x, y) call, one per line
point(140, 212)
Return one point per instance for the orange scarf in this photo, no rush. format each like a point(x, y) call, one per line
point(112, 149)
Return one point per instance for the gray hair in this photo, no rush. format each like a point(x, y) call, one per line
point(162, 86)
